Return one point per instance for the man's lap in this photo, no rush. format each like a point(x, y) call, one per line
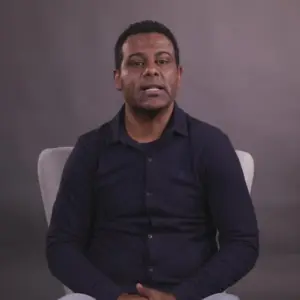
point(221, 296)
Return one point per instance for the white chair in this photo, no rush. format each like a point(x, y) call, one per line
point(51, 162)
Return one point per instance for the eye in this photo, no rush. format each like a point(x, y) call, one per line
point(136, 63)
point(162, 61)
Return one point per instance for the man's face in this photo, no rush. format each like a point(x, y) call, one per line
point(149, 76)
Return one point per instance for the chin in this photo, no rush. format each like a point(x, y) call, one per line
point(155, 104)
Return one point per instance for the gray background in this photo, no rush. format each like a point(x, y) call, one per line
point(241, 61)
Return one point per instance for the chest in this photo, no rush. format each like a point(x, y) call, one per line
point(163, 181)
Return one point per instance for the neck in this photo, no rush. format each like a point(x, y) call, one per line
point(145, 128)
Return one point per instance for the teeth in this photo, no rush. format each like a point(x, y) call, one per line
point(152, 89)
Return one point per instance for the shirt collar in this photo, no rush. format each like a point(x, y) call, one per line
point(177, 123)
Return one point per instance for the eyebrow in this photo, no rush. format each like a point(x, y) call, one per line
point(143, 55)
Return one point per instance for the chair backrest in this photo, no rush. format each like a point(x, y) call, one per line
point(50, 166)
point(51, 162)
point(247, 164)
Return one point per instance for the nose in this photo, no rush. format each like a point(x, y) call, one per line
point(151, 69)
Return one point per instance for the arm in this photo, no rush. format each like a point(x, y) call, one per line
point(70, 225)
point(234, 217)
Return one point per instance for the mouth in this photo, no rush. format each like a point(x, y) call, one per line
point(152, 88)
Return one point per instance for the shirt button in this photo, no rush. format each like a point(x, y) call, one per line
point(149, 159)
point(150, 269)
point(150, 236)
point(148, 194)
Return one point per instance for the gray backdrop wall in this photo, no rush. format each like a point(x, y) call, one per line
point(241, 61)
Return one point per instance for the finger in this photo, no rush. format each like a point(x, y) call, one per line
point(143, 290)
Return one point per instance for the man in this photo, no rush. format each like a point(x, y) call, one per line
point(142, 197)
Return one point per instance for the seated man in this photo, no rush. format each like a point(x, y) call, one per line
point(143, 196)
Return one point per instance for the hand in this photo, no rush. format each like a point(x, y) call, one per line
point(152, 294)
point(131, 297)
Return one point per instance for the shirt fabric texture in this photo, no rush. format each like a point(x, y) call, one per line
point(127, 212)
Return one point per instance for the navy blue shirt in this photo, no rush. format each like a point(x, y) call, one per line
point(128, 212)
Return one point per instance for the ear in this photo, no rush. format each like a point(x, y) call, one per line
point(179, 74)
point(117, 78)
point(180, 71)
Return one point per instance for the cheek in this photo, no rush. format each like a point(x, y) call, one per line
point(171, 78)
point(128, 81)
point(126, 78)
point(128, 90)
point(124, 73)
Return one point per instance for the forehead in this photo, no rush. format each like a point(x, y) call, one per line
point(144, 42)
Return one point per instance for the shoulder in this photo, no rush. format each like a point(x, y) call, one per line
point(91, 143)
point(96, 136)
point(204, 133)
point(212, 145)
point(88, 147)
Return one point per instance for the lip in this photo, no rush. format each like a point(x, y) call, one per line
point(153, 92)
point(152, 86)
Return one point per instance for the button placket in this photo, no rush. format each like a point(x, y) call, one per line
point(148, 192)
point(151, 177)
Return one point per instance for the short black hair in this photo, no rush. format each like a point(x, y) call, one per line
point(146, 26)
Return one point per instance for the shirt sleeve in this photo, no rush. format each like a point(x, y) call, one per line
point(70, 226)
point(234, 217)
